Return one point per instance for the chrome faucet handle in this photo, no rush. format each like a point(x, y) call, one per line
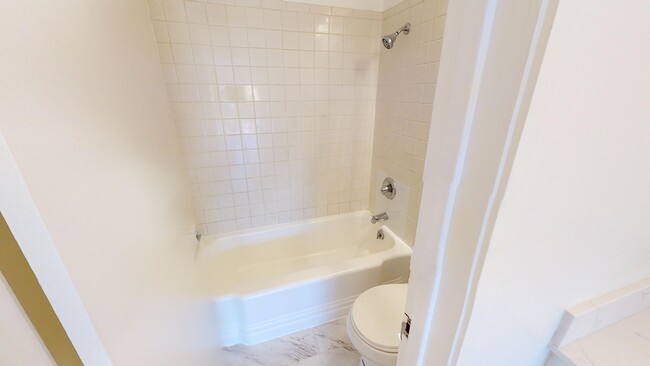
point(388, 188)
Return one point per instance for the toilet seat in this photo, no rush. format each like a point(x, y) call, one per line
point(376, 317)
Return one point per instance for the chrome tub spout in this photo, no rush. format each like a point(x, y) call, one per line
point(379, 217)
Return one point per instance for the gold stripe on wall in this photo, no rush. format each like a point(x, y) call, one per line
point(29, 293)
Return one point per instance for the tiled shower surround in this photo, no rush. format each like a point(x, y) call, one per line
point(408, 75)
point(274, 104)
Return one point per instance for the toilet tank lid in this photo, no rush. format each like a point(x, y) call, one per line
point(377, 316)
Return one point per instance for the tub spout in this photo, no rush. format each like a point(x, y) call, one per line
point(379, 217)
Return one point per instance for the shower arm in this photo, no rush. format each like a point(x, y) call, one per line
point(406, 29)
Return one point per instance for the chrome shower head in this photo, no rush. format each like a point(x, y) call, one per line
point(389, 40)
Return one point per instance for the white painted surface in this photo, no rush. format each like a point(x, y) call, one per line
point(29, 230)
point(573, 223)
point(85, 117)
point(474, 134)
point(274, 281)
point(19, 342)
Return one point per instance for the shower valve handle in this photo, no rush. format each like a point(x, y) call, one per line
point(388, 188)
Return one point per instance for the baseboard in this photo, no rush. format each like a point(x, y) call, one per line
point(262, 331)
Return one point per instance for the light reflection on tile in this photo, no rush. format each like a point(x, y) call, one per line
point(324, 345)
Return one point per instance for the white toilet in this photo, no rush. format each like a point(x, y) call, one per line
point(374, 324)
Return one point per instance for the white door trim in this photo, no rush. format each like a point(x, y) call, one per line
point(32, 236)
point(491, 57)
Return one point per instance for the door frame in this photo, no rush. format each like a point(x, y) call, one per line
point(34, 240)
point(491, 57)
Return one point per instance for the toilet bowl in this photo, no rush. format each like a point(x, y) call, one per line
point(374, 324)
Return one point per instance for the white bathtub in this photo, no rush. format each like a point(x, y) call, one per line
point(282, 279)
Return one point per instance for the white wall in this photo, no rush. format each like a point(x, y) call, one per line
point(574, 221)
point(86, 120)
point(19, 341)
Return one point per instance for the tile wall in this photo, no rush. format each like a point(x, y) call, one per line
point(406, 87)
point(274, 104)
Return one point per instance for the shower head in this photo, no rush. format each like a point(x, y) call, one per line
point(389, 40)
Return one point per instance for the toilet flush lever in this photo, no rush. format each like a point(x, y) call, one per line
point(406, 327)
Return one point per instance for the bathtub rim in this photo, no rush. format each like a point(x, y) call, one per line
point(214, 240)
point(352, 265)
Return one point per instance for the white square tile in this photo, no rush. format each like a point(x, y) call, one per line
point(272, 19)
point(280, 90)
point(246, 110)
point(235, 157)
point(160, 31)
point(321, 42)
point(321, 23)
point(219, 35)
point(257, 57)
point(178, 32)
point(290, 21)
point(259, 75)
point(273, 39)
point(213, 127)
point(242, 75)
point(244, 93)
point(216, 143)
point(196, 12)
point(199, 34)
point(182, 53)
point(156, 10)
point(186, 74)
point(229, 110)
point(249, 141)
point(222, 56)
point(262, 109)
point(256, 38)
point(240, 56)
point(236, 16)
point(306, 23)
point(174, 10)
point(216, 14)
point(165, 53)
point(238, 37)
point(254, 3)
point(254, 18)
point(290, 40)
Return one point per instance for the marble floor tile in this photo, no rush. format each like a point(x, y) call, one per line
point(332, 359)
point(324, 345)
point(333, 336)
